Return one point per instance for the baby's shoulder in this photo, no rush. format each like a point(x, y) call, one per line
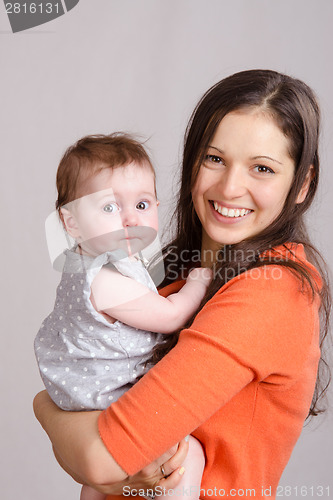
point(106, 276)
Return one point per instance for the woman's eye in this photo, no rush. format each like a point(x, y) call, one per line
point(142, 205)
point(110, 208)
point(214, 159)
point(262, 169)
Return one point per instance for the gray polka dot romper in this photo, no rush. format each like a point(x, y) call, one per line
point(85, 361)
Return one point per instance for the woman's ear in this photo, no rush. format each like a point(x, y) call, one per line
point(69, 222)
point(305, 188)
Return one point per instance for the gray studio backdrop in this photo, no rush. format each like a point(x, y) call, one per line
point(138, 66)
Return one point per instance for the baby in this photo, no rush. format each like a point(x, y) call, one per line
point(108, 316)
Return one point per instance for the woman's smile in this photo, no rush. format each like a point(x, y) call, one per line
point(230, 212)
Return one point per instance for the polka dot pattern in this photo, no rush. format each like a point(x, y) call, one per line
point(86, 362)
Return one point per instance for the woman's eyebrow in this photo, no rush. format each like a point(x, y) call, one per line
point(267, 158)
point(253, 158)
point(217, 149)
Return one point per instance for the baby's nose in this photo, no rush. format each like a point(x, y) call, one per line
point(129, 218)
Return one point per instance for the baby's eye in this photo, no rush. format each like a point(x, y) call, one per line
point(142, 205)
point(110, 208)
point(264, 170)
point(214, 159)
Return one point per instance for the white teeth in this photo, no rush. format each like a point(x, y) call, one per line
point(230, 212)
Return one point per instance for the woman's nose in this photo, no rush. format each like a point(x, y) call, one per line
point(232, 183)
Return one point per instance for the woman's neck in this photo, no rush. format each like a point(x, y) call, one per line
point(209, 251)
point(209, 256)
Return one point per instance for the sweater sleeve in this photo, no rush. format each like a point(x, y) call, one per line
point(255, 327)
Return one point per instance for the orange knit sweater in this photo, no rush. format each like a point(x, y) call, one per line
point(240, 380)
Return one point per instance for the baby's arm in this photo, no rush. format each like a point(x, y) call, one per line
point(137, 306)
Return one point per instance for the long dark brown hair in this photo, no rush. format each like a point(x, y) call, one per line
point(294, 108)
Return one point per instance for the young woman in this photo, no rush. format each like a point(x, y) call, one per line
point(243, 376)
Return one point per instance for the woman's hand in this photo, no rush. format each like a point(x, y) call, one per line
point(164, 473)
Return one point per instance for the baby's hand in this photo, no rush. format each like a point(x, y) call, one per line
point(202, 274)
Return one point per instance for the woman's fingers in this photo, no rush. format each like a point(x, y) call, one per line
point(165, 473)
point(172, 481)
point(176, 460)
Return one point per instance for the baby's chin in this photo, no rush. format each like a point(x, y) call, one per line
point(122, 243)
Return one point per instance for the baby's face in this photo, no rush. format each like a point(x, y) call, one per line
point(119, 211)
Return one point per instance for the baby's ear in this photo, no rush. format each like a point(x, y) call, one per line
point(69, 222)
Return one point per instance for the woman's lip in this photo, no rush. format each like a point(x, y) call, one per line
point(227, 205)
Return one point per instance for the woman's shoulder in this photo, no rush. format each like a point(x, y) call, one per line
point(264, 299)
point(290, 251)
point(284, 274)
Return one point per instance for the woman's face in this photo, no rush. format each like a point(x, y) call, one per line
point(244, 180)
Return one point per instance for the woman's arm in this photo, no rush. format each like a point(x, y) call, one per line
point(234, 339)
point(172, 399)
point(66, 468)
point(237, 338)
point(85, 458)
point(76, 438)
